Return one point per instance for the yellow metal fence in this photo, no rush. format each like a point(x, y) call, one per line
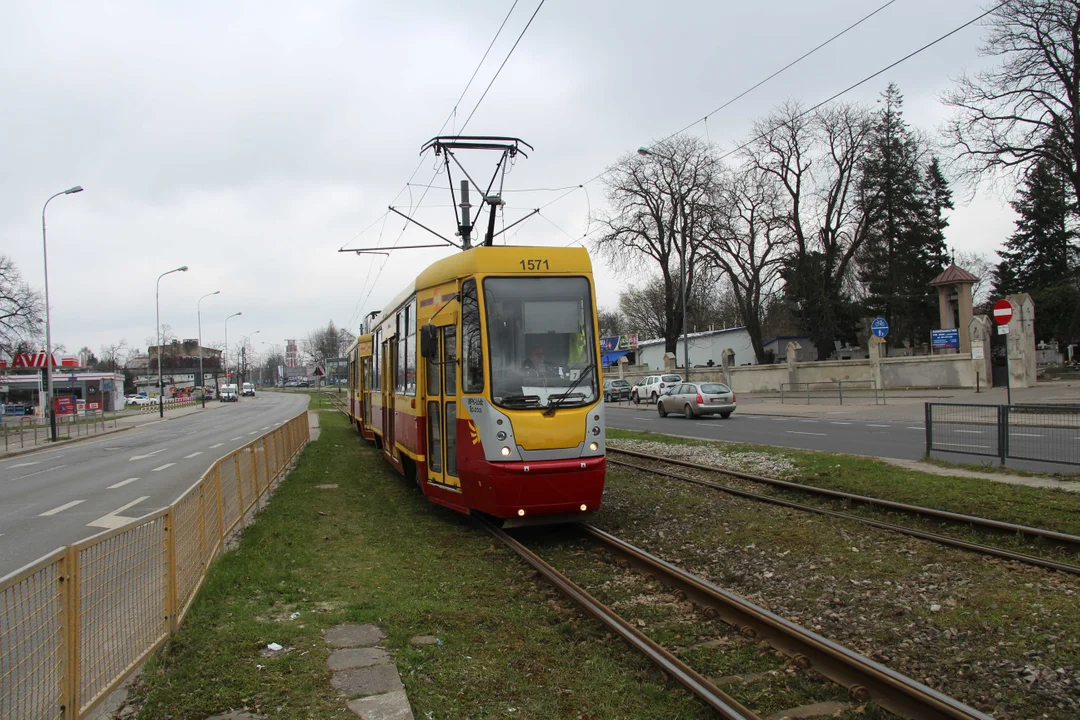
point(77, 622)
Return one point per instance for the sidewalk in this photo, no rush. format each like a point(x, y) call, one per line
point(900, 405)
point(122, 423)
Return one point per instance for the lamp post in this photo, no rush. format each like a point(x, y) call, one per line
point(682, 277)
point(161, 341)
point(48, 327)
point(202, 380)
point(225, 352)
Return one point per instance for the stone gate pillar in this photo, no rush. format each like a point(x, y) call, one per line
point(979, 330)
point(793, 348)
point(1021, 341)
point(727, 359)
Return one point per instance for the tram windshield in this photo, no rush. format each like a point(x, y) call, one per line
point(541, 342)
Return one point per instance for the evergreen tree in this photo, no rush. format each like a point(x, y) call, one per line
point(904, 213)
point(1042, 257)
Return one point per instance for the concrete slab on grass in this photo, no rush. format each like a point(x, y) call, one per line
point(388, 706)
point(373, 680)
point(347, 658)
point(348, 636)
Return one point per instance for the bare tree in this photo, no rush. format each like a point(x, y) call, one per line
point(643, 308)
point(748, 241)
point(325, 342)
point(981, 266)
point(662, 203)
point(109, 357)
point(611, 322)
point(813, 158)
point(1028, 107)
point(22, 310)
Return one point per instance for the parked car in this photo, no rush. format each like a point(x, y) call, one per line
point(652, 387)
point(616, 389)
point(248, 390)
point(228, 393)
point(138, 400)
point(694, 399)
point(302, 383)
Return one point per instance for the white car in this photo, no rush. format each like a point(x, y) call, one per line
point(248, 390)
point(139, 400)
point(652, 387)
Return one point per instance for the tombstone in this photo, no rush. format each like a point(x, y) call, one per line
point(792, 350)
point(727, 361)
point(954, 301)
point(1021, 341)
point(669, 363)
point(979, 330)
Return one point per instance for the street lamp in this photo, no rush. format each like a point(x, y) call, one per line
point(161, 342)
point(682, 276)
point(225, 352)
point(48, 328)
point(202, 380)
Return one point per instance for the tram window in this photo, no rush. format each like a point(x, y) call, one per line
point(450, 431)
point(410, 348)
point(472, 349)
point(376, 379)
point(432, 378)
point(450, 360)
point(434, 437)
point(399, 376)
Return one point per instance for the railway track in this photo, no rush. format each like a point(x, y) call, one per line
point(1065, 540)
point(864, 679)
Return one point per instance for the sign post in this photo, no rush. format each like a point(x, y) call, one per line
point(1002, 314)
point(880, 328)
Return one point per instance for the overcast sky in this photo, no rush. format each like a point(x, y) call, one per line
point(251, 140)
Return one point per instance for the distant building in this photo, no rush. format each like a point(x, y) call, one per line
point(778, 345)
point(704, 346)
point(179, 368)
point(292, 354)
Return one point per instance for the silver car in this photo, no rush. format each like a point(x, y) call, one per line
point(693, 399)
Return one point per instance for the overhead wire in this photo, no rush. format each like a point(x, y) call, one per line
point(451, 115)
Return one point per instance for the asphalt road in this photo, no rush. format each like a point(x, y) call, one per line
point(904, 440)
point(56, 497)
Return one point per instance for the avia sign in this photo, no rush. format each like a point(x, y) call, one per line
point(26, 360)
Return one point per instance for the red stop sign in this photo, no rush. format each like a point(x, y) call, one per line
point(1002, 312)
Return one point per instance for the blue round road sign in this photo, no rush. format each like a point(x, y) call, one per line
point(879, 327)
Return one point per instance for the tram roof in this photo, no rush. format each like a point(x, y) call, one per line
point(499, 259)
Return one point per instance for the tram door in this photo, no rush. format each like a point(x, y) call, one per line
point(441, 398)
point(389, 378)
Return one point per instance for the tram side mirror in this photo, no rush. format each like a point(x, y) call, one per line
point(429, 342)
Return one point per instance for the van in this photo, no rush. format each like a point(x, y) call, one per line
point(248, 390)
point(228, 393)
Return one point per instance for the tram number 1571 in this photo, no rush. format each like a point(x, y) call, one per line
point(534, 265)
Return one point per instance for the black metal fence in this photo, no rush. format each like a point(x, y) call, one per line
point(829, 392)
point(1042, 433)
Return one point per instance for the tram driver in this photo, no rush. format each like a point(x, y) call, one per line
point(535, 362)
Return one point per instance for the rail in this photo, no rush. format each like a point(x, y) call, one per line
point(1071, 542)
point(864, 678)
point(75, 623)
point(828, 391)
point(1041, 433)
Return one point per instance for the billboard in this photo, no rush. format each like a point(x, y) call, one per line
point(619, 342)
point(945, 339)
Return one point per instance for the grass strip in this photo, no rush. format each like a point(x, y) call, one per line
point(374, 550)
point(1048, 508)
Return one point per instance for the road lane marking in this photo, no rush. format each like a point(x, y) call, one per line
point(884, 426)
point(143, 457)
point(162, 467)
point(36, 462)
point(913, 427)
point(39, 472)
point(216, 446)
point(970, 432)
point(837, 422)
point(809, 421)
point(253, 432)
point(1016, 434)
point(194, 454)
point(709, 424)
point(238, 437)
point(62, 508)
point(122, 483)
point(115, 519)
point(796, 432)
point(266, 428)
point(962, 445)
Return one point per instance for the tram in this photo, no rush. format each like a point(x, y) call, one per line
point(481, 381)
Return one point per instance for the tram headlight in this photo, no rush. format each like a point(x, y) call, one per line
point(505, 451)
point(501, 435)
point(593, 447)
point(596, 430)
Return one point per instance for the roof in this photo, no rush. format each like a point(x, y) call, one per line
point(707, 333)
point(954, 275)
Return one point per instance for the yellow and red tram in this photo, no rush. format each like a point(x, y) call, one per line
point(481, 380)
